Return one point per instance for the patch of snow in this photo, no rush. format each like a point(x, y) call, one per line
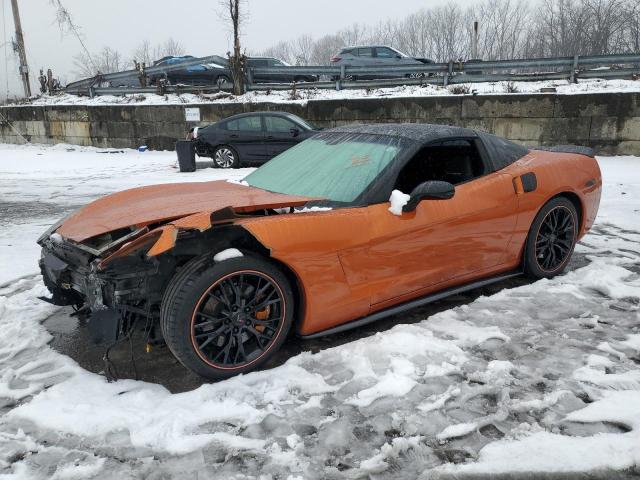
point(550, 452)
point(312, 209)
point(543, 403)
point(632, 342)
point(56, 238)
point(617, 381)
point(457, 430)
point(594, 360)
point(227, 254)
point(398, 200)
point(238, 182)
point(465, 333)
point(436, 402)
point(607, 348)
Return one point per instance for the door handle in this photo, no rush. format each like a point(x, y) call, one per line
point(234, 136)
point(269, 137)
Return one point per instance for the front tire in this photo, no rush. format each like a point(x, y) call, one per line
point(221, 79)
point(225, 157)
point(552, 238)
point(224, 318)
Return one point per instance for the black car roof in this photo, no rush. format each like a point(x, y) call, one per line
point(419, 132)
point(260, 113)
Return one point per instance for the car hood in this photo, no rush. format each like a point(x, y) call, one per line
point(160, 203)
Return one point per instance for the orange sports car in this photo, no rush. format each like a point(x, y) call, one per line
point(352, 225)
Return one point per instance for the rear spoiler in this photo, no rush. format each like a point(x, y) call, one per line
point(569, 149)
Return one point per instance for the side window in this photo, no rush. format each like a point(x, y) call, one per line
point(278, 124)
point(365, 52)
point(453, 161)
point(258, 63)
point(384, 52)
point(245, 124)
point(501, 151)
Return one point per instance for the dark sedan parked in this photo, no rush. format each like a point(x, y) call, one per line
point(219, 72)
point(249, 138)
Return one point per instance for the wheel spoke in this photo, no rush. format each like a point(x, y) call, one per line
point(208, 323)
point(259, 336)
point(239, 349)
point(264, 305)
point(564, 223)
point(212, 336)
point(219, 299)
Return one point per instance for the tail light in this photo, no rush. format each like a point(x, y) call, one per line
point(193, 134)
point(336, 58)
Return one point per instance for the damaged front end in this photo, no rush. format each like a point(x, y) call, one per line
point(115, 295)
point(120, 277)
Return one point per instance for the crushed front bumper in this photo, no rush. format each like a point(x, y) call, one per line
point(73, 278)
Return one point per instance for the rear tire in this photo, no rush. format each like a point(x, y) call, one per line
point(224, 318)
point(225, 157)
point(222, 79)
point(551, 239)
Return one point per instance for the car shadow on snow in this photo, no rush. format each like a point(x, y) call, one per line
point(71, 337)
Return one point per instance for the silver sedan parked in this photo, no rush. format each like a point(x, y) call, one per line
point(376, 55)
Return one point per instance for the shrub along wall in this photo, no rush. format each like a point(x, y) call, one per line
point(608, 122)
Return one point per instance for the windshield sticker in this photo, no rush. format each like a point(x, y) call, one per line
point(358, 160)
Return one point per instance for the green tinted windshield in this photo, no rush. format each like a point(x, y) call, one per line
point(332, 166)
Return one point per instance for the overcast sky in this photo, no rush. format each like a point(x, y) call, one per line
point(123, 24)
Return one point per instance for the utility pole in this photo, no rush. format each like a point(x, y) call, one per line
point(474, 42)
point(24, 68)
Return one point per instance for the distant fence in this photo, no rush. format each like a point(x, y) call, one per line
point(624, 66)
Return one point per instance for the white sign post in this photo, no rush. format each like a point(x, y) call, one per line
point(192, 114)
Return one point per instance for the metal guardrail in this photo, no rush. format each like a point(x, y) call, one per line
point(349, 77)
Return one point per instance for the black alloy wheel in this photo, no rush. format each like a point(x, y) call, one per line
point(223, 318)
point(551, 239)
point(555, 238)
point(237, 319)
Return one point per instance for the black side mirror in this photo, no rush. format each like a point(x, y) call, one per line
point(431, 190)
point(295, 132)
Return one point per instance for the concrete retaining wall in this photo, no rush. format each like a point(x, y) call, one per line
point(608, 122)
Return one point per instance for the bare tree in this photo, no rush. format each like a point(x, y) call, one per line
point(282, 50)
point(302, 49)
point(324, 48)
point(143, 53)
point(232, 11)
point(106, 60)
point(66, 25)
point(170, 47)
point(632, 27)
point(502, 33)
point(607, 20)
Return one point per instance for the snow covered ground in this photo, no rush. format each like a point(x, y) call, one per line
point(542, 378)
point(563, 87)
